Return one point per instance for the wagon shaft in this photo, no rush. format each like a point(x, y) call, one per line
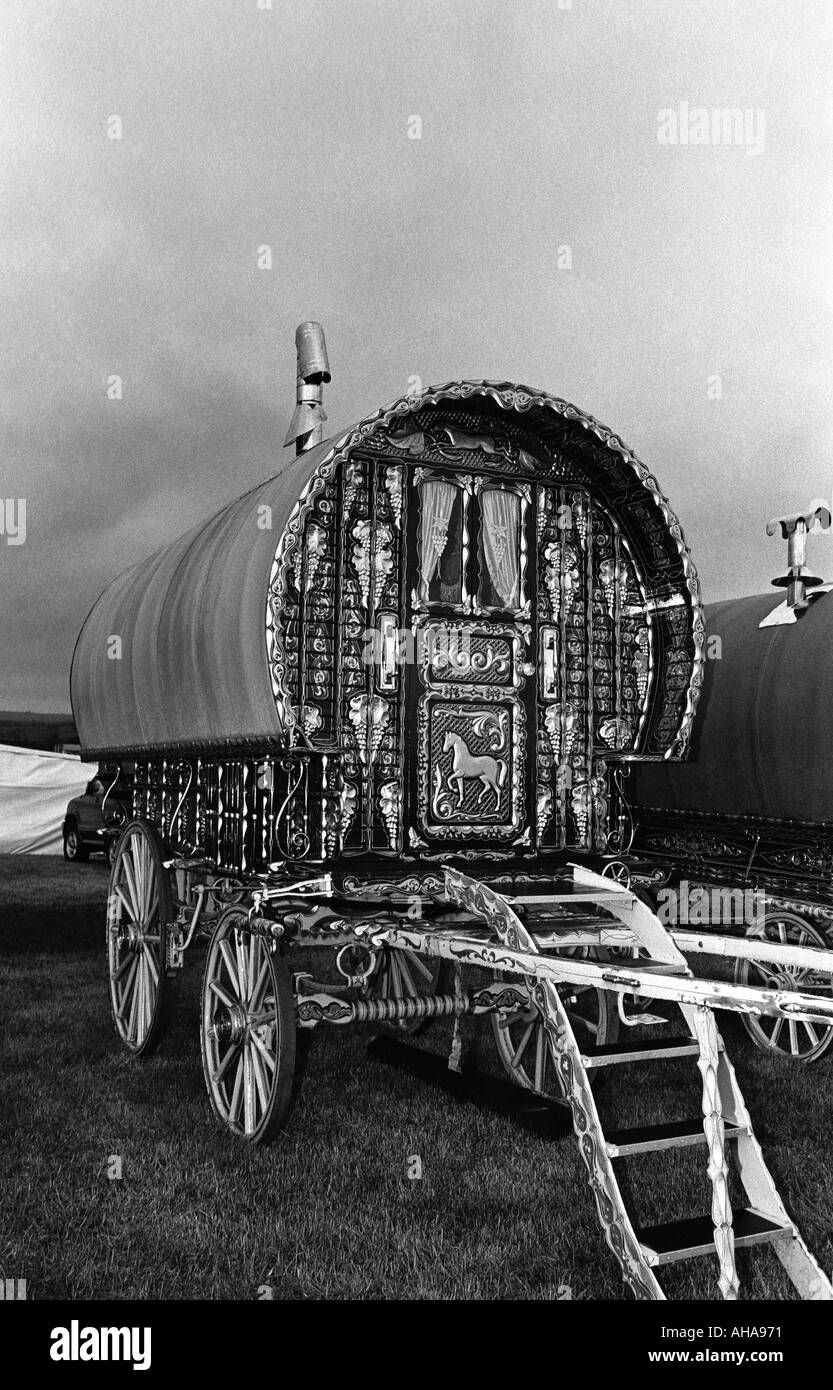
point(655, 980)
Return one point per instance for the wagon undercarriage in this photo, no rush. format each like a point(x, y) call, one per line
point(564, 976)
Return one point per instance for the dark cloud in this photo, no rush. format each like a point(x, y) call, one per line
point(437, 257)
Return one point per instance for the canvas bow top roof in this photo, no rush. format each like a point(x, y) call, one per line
point(763, 736)
point(173, 655)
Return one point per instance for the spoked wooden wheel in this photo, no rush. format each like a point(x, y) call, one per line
point(402, 974)
point(521, 1039)
point(802, 1042)
point(618, 870)
point(247, 1030)
point(139, 909)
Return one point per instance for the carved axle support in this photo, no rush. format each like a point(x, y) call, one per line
point(313, 1009)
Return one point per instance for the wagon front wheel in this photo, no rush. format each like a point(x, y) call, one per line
point(139, 910)
point(801, 1042)
point(247, 1030)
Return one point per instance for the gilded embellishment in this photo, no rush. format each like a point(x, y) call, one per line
point(544, 806)
point(347, 801)
point(390, 798)
point(377, 710)
point(394, 485)
point(360, 558)
point(383, 561)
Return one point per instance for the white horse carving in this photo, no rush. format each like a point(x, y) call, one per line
point(491, 771)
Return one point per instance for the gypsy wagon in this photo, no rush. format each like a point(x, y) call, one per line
point(748, 819)
point(379, 709)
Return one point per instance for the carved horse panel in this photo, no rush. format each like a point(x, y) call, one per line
point(474, 766)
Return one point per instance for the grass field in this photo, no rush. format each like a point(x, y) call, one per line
point(329, 1211)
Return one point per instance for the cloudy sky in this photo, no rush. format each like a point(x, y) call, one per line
point(246, 126)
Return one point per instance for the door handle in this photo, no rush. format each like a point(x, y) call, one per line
point(388, 651)
point(549, 655)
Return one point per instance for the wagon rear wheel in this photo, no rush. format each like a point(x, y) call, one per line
point(801, 1042)
point(139, 910)
point(247, 1031)
point(402, 974)
point(521, 1039)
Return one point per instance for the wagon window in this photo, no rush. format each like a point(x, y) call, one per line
point(500, 535)
point(440, 542)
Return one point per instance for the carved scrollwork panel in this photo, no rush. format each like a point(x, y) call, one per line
point(477, 654)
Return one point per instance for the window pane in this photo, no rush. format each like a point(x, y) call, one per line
point(500, 534)
point(440, 543)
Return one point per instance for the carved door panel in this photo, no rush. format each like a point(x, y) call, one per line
point(472, 684)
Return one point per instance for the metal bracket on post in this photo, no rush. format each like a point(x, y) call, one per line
point(800, 584)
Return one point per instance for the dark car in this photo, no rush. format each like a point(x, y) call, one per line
point(93, 822)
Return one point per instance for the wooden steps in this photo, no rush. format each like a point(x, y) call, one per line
point(640, 1050)
point(673, 1134)
point(723, 1129)
point(673, 1241)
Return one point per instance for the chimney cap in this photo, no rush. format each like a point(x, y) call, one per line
point(311, 347)
point(306, 428)
point(816, 518)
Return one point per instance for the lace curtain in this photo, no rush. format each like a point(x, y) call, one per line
point(437, 501)
point(501, 527)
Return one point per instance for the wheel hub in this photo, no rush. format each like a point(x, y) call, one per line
point(230, 1023)
point(131, 937)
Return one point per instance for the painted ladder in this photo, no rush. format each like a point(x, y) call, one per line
point(725, 1126)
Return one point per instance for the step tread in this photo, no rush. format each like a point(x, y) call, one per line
point(581, 895)
point(694, 1235)
point(669, 1134)
point(640, 1049)
point(656, 967)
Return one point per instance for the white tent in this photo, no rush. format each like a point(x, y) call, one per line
point(34, 790)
